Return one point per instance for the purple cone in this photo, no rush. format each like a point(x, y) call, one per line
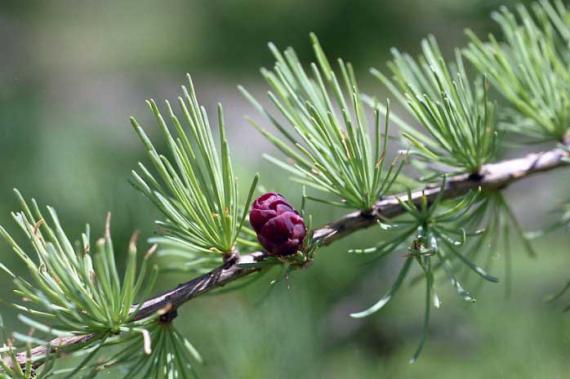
point(279, 228)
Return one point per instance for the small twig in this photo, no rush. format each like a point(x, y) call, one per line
point(492, 176)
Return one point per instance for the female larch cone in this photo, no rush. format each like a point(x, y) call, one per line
point(279, 228)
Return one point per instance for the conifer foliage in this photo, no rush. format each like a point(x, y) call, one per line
point(438, 201)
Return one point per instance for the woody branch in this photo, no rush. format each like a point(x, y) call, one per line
point(494, 176)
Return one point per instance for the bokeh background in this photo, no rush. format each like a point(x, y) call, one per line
point(72, 72)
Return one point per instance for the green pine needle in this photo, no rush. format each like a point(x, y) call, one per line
point(325, 133)
point(458, 118)
point(75, 289)
point(169, 355)
point(430, 230)
point(194, 186)
point(531, 69)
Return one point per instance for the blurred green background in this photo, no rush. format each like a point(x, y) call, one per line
point(72, 72)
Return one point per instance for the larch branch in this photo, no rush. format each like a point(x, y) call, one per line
point(492, 176)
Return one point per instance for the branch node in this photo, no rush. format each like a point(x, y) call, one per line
point(231, 258)
point(167, 314)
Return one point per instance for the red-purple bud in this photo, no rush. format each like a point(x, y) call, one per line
point(279, 228)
